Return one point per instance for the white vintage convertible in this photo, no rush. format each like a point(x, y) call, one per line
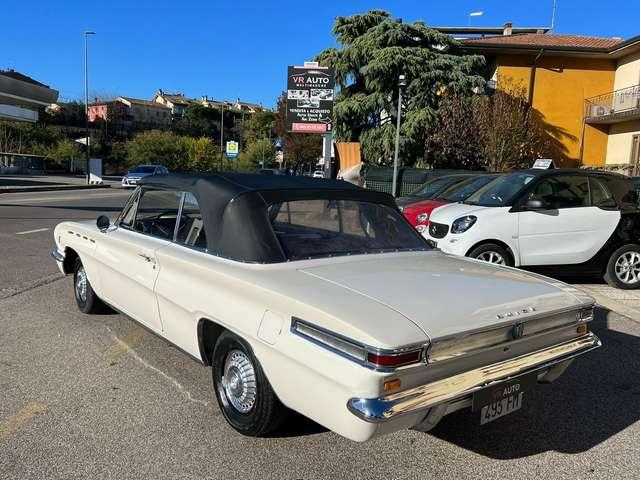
point(318, 296)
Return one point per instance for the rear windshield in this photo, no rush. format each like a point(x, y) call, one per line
point(324, 228)
point(434, 186)
point(144, 169)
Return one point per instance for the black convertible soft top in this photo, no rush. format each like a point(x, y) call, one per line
point(234, 207)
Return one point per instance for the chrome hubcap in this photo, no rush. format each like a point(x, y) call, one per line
point(628, 267)
point(81, 285)
point(492, 257)
point(239, 381)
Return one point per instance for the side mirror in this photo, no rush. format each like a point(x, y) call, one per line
point(103, 222)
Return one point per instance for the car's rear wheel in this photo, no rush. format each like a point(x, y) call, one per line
point(86, 298)
point(623, 268)
point(492, 253)
point(244, 394)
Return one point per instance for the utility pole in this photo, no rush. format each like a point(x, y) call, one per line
point(401, 83)
point(221, 134)
point(86, 101)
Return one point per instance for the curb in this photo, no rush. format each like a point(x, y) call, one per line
point(50, 188)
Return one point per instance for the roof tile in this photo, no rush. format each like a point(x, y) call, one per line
point(545, 40)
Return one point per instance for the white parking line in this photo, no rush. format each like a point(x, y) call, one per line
point(26, 232)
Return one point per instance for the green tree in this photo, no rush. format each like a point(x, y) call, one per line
point(158, 147)
point(65, 149)
point(298, 147)
point(70, 114)
point(258, 125)
point(262, 149)
point(373, 51)
point(18, 137)
point(202, 153)
point(199, 121)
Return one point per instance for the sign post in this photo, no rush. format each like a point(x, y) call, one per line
point(310, 91)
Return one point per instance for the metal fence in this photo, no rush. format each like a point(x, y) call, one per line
point(409, 179)
point(618, 103)
point(18, 163)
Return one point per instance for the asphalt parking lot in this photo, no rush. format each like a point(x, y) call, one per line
point(99, 397)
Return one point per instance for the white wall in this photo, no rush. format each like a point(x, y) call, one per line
point(619, 142)
point(627, 72)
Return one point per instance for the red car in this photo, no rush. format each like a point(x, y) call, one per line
point(418, 213)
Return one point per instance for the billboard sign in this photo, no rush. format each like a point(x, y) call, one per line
point(310, 99)
point(232, 149)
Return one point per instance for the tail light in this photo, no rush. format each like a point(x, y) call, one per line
point(370, 357)
point(394, 359)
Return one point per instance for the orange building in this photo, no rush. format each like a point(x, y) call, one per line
point(572, 82)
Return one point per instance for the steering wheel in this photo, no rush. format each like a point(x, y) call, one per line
point(154, 228)
point(493, 196)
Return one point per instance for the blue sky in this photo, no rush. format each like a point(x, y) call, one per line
point(235, 49)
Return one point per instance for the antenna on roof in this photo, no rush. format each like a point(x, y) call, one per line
point(553, 15)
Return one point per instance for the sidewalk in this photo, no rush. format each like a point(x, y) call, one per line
point(625, 302)
point(31, 183)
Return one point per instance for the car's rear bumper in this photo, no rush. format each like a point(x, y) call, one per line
point(451, 389)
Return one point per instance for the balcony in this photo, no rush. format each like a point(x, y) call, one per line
point(614, 107)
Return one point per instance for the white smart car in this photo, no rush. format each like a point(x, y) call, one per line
point(573, 221)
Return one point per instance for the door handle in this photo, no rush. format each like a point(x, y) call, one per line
point(146, 257)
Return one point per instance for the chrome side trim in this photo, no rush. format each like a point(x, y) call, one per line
point(416, 399)
point(358, 345)
point(57, 255)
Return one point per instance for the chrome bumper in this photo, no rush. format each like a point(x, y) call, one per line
point(441, 391)
point(57, 255)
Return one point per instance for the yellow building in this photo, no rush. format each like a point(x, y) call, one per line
point(585, 89)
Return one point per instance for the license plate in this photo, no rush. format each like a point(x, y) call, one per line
point(502, 398)
point(491, 412)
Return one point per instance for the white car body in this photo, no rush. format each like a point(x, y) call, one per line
point(390, 301)
point(131, 179)
point(318, 174)
point(571, 236)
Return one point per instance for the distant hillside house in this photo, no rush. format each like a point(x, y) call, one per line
point(146, 113)
point(248, 107)
point(176, 102)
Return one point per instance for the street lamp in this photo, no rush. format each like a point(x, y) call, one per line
point(401, 83)
point(475, 14)
point(86, 99)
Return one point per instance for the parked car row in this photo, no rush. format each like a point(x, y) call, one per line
point(553, 221)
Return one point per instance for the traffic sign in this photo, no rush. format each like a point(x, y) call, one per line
point(232, 149)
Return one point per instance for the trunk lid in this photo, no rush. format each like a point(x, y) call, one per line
point(443, 294)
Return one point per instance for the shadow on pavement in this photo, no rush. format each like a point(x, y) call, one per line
point(297, 425)
point(597, 397)
point(21, 182)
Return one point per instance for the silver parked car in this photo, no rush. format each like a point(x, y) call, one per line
point(132, 177)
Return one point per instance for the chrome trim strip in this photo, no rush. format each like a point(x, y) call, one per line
point(57, 255)
point(366, 348)
point(463, 342)
point(420, 398)
point(176, 227)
